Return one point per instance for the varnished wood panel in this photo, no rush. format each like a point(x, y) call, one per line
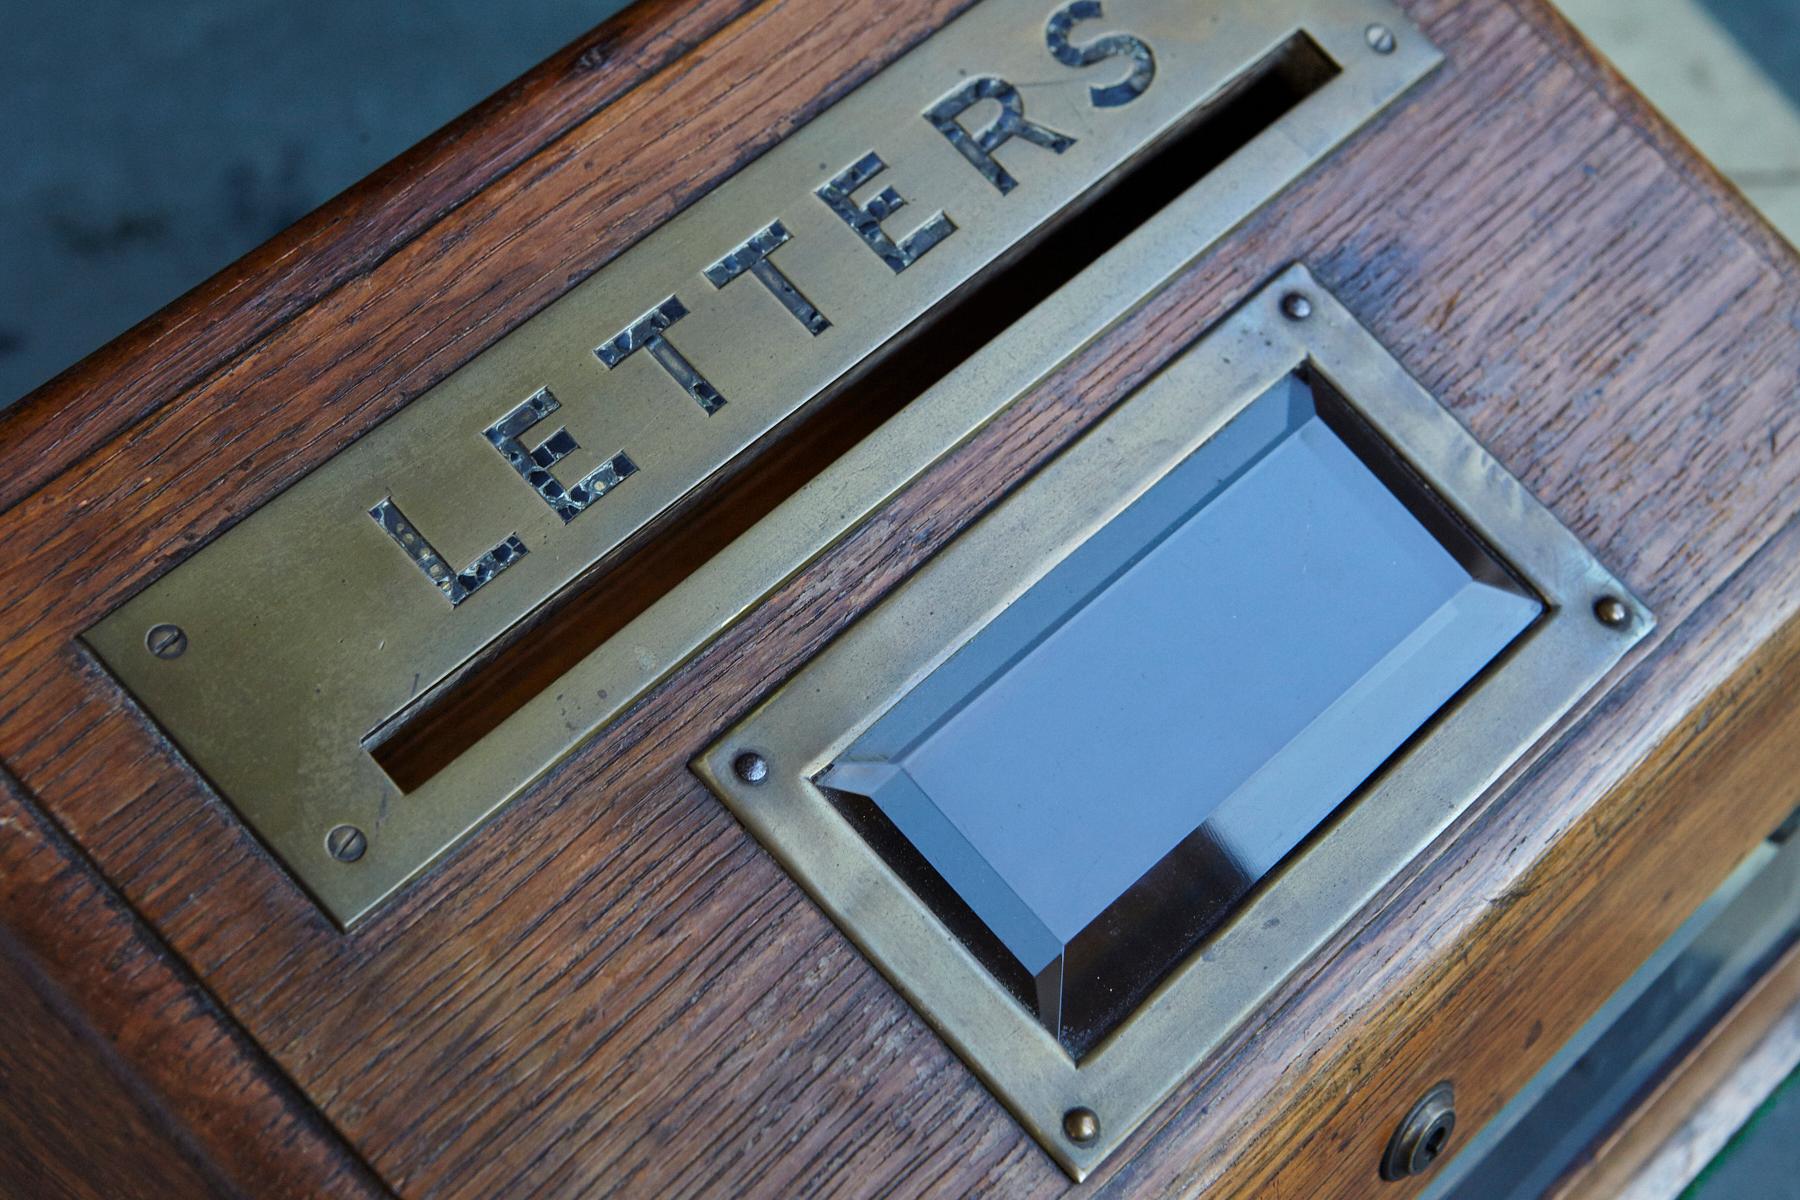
point(72, 1127)
point(612, 989)
point(145, 1035)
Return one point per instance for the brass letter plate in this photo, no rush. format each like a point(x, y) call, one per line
point(319, 624)
point(1103, 772)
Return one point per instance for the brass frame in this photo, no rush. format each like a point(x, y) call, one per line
point(825, 706)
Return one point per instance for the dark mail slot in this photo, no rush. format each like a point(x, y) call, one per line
point(447, 721)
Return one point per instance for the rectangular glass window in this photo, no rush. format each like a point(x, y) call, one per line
point(1092, 783)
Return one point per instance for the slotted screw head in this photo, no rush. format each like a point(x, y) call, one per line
point(166, 641)
point(347, 843)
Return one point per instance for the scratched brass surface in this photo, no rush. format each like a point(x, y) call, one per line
point(318, 618)
point(830, 702)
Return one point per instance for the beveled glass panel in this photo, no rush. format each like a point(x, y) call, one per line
point(1113, 762)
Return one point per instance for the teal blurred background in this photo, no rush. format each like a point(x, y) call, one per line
point(150, 143)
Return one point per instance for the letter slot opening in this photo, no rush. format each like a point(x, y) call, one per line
point(429, 734)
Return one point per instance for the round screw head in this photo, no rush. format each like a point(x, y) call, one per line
point(1611, 612)
point(1296, 307)
point(166, 641)
point(750, 767)
point(1381, 39)
point(1423, 1136)
point(347, 843)
point(1081, 1125)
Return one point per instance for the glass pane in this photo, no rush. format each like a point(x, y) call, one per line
point(1102, 772)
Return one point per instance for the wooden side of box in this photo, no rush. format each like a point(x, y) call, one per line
point(74, 1123)
point(119, 1076)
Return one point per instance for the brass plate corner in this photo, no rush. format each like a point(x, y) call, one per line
point(802, 728)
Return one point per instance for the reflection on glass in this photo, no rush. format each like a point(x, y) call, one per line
point(1089, 785)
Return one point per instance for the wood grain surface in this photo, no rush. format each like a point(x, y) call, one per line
point(611, 989)
point(76, 1127)
point(132, 1041)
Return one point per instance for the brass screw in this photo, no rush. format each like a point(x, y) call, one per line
point(347, 843)
point(1296, 307)
point(166, 641)
point(1423, 1136)
point(1381, 39)
point(1081, 1125)
point(751, 767)
point(1611, 612)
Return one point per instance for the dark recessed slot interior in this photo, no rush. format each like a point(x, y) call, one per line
point(450, 718)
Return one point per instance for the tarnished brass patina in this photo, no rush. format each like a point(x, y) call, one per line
point(799, 732)
point(318, 625)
